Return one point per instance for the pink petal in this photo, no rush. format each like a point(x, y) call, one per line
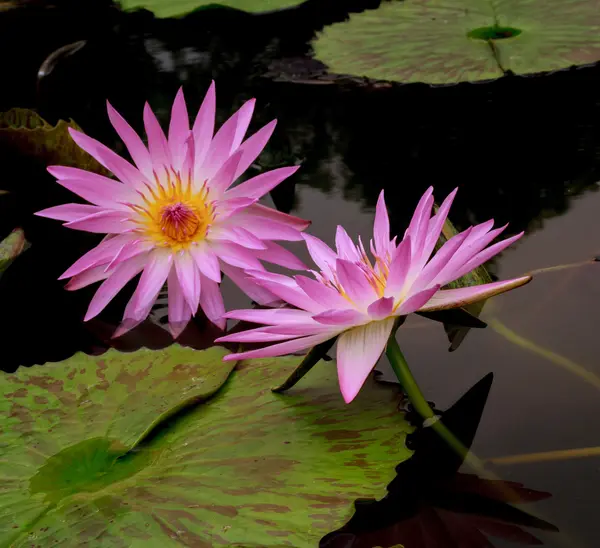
point(455, 298)
point(69, 212)
point(129, 250)
point(229, 208)
point(381, 308)
point(416, 301)
point(419, 223)
point(227, 139)
point(122, 274)
point(436, 224)
point(189, 279)
point(478, 238)
point(275, 316)
point(235, 255)
point(157, 142)
point(132, 316)
point(292, 295)
point(248, 285)
point(103, 192)
point(280, 349)
point(100, 254)
point(482, 257)
point(138, 151)
point(211, 302)
point(179, 311)
point(264, 212)
point(253, 146)
point(206, 260)
point(261, 184)
point(345, 246)
point(354, 282)
point(399, 268)
point(179, 130)
point(203, 128)
point(381, 227)
point(358, 350)
point(224, 177)
point(342, 318)
point(434, 268)
point(322, 294)
point(321, 254)
point(88, 277)
point(238, 235)
point(276, 254)
point(277, 333)
point(153, 277)
point(111, 161)
point(105, 222)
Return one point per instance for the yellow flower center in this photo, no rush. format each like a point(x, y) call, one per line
point(173, 214)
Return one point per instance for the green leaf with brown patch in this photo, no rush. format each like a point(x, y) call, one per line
point(244, 468)
point(28, 133)
point(174, 8)
point(11, 247)
point(446, 42)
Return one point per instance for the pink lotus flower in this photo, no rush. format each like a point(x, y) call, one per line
point(174, 217)
point(360, 299)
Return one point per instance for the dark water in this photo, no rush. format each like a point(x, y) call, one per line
point(521, 150)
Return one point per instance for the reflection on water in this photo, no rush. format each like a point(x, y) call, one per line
point(522, 150)
point(431, 505)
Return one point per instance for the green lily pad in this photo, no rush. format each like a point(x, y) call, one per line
point(31, 135)
point(174, 8)
point(244, 468)
point(11, 247)
point(442, 42)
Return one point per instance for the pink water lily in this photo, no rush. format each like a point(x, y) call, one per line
point(175, 216)
point(359, 297)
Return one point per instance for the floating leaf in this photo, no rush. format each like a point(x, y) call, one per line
point(246, 467)
point(174, 8)
point(31, 135)
point(11, 247)
point(441, 42)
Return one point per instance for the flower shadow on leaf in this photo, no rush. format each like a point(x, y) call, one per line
point(431, 505)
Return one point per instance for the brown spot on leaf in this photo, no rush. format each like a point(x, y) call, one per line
point(276, 508)
point(20, 393)
point(71, 374)
point(102, 367)
point(47, 383)
point(40, 399)
point(228, 511)
point(131, 380)
point(340, 435)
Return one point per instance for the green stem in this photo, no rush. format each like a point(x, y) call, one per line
point(406, 379)
point(410, 386)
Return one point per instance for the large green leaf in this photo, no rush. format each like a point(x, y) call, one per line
point(450, 41)
point(174, 8)
point(30, 134)
point(11, 247)
point(245, 468)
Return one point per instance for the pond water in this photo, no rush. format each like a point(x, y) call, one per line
point(522, 150)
